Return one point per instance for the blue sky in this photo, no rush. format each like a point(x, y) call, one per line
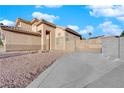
point(100, 20)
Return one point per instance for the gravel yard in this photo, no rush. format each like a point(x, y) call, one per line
point(19, 71)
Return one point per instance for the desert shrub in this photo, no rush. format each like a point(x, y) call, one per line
point(1, 43)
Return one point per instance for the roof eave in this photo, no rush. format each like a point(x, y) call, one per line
point(20, 31)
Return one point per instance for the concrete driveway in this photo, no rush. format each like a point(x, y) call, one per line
point(112, 79)
point(75, 70)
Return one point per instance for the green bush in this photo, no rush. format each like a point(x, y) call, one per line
point(1, 43)
point(122, 35)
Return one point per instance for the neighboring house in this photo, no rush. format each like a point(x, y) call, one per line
point(36, 35)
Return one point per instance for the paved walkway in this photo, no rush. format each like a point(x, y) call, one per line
point(75, 70)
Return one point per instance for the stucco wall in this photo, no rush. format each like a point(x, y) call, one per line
point(25, 26)
point(44, 28)
point(65, 40)
point(84, 45)
point(93, 45)
point(59, 39)
point(34, 28)
point(18, 41)
point(113, 47)
point(70, 46)
point(110, 47)
point(122, 48)
point(71, 41)
point(71, 36)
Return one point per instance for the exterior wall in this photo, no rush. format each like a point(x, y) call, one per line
point(113, 47)
point(59, 39)
point(70, 36)
point(70, 46)
point(2, 37)
point(16, 41)
point(70, 42)
point(44, 28)
point(25, 26)
point(34, 28)
point(122, 48)
point(110, 47)
point(47, 41)
point(65, 40)
point(92, 45)
point(73, 43)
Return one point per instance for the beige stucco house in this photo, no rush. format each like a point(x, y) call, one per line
point(36, 35)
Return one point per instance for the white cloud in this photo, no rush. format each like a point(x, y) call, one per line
point(87, 29)
point(110, 29)
point(115, 11)
point(38, 6)
point(108, 11)
point(48, 6)
point(121, 18)
point(53, 6)
point(74, 27)
point(7, 22)
point(47, 17)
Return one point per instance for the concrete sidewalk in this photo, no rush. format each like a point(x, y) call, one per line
point(74, 70)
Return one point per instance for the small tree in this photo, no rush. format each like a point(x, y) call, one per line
point(1, 24)
point(90, 34)
point(1, 43)
point(122, 34)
